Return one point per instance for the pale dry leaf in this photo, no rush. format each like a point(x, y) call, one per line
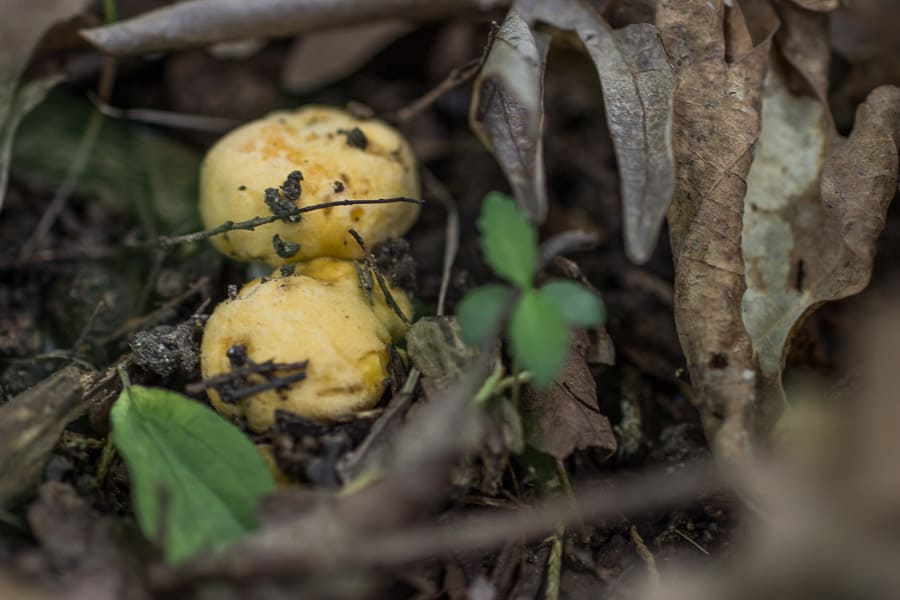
point(507, 110)
point(716, 124)
point(204, 22)
point(320, 58)
point(638, 84)
point(566, 416)
point(815, 206)
point(18, 38)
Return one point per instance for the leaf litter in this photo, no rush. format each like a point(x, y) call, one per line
point(719, 118)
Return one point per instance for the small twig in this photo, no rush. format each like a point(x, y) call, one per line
point(109, 452)
point(85, 331)
point(134, 324)
point(691, 541)
point(645, 554)
point(554, 565)
point(451, 233)
point(373, 266)
point(251, 224)
point(456, 77)
point(164, 118)
point(80, 159)
point(224, 384)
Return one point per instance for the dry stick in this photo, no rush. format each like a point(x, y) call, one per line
point(646, 555)
point(251, 224)
point(456, 77)
point(134, 324)
point(451, 234)
point(164, 118)
point(352, 465)
point(481, 531)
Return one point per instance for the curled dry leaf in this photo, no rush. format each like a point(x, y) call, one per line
point(30, 425)
point(203, 22)
point(507, 110)
point(815, 207)
point(566, 416)
point(716, 124)
point(638, 84)
point(18, 38)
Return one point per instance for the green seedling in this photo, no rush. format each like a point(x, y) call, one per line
point(540, 319)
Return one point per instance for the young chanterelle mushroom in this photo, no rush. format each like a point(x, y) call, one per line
point(320, 314)
point(300, 158)
point(316, 311)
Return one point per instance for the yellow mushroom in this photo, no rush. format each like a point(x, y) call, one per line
point(320, 313)
point(304, 157)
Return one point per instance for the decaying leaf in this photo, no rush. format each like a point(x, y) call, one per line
point(566, 416)
point(507, 110)
point(18, 38)
point(203, 22)
point(716, 124)
point(30, 425)
point(320, 58)
point(815, 207)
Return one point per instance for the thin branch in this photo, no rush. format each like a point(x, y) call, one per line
point(373, 266)
point(251, 224)
point(451, 233)
point(165, 118)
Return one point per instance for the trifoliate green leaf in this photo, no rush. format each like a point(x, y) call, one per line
point(508, 240)
point(479, 310)
point(579, 306)
point(539, 336)
point(190, 467)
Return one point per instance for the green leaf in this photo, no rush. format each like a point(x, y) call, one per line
point(508, 240)
point(539, 336)
point(189, 466)
point(131, 169)
point(479, 310)
point(579, 306)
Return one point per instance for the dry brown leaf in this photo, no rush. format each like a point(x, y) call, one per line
point(716, 124)
point(203, 22)
point(18, 38)
point(30, 425)
point(320, 58)
point(566, 416)
point(507, 110)
point(815, 207)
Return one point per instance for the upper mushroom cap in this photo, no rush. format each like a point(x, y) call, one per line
point(339, 157)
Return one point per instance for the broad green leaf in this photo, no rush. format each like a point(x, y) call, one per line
point(539, 336)
point(190, 467)
point(508, 240)
point(579, 306)
point(479, 310)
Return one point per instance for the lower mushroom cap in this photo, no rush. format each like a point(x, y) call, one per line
point(319, 314)
point(340, 157)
